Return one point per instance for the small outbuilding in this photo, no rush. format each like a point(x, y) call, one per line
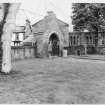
point(49, 29)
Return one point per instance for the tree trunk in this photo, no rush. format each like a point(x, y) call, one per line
point(8, 29)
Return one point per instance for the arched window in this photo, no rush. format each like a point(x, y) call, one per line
point(90, 40)
point(70, 41)
point(87, 40)
point(103, 42)
point(77, 40)
point(74, 39)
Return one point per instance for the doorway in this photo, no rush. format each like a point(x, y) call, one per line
point(55, 44)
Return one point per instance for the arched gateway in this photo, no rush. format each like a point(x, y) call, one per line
point(54, 39)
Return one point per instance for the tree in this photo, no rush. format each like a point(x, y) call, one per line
point(88, 16)
point(7, 24)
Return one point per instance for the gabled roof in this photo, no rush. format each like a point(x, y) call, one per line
point(39, 26)
point(42, 24)
point(37, 22)
point(62, 22)
point(59, 21)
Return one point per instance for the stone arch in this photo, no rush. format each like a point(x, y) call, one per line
point(53, 36)
point(54, 39)
point(45, 42)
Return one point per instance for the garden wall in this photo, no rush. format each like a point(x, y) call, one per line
point(22, 52)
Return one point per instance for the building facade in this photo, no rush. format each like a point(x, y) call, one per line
point(86, 43)
point(18, 36)
point(49, 29)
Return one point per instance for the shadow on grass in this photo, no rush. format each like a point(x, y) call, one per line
point(13, 75)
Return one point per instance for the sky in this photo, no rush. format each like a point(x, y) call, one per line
point(35, 10)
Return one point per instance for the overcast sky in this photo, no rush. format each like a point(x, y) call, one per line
point(35, 10)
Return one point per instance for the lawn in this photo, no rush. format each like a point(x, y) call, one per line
point(59, 80)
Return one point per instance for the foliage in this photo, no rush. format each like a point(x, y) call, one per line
point(88, 16)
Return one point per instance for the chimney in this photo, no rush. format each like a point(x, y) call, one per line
point(50, 16)
point(51, 13)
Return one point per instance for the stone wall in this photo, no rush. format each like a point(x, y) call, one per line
point(76, 50)
point(22, 52)
point(45, 28)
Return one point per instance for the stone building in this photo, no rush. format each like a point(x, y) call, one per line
point(48, 29)
point(18, 35)
point(86, 43)
point(37, 36)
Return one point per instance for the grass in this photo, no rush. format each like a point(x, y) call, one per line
point(61, 80)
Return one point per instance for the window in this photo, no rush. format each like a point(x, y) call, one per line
point(103, 42)
point(70, 41)
point(74, 40)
